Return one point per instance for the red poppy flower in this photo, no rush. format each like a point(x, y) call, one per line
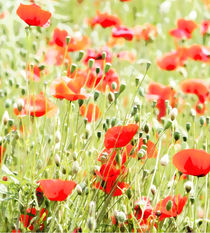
point(59, 37)
point(192, 162)
point(198, 53)
point(184, 29)
point(205, 27)
point(78, 43)
point(197, 87)
point(90, 111)
point(33, 15)
point(109, 175)
point(178, 203)
point(57, 190)
point(120, 136)
point(67, 88)
point(2, 150)
point(161, 93)
point(16, 231)
point(27, 219)
point(97, 56)
point(145, 32)
point(34, 74)
point(105, 20)
point(37, 106)
point(172, 60)
point(122, 32)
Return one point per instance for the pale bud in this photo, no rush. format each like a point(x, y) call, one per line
point(173, 114)
point(20, 104)
point(75, 167)
point(121, 217)
point(79, 189)
point(164, 161)
point(5, 118)
point(57, 160)
point(153, 189)
point(188, 186)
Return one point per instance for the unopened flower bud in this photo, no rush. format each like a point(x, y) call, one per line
point(73, 68)
point(57, 136)
point(5, 118)
point(202, 120)
point(114, 85)
point(188, 126)
point(96, 95)
point(153, 189)
point(57, 160)
point(173, 114)
point(164, 161)
point(81, 54)
point(169, 205)
point(121, 217)
point(91, 62)
point(20, 104)
point(79, 189)
point(98, 69)
point(188, 186)
point(104, 55)
point(111, 97)
point(107, 67)
point(68, 39)
point(75, 167)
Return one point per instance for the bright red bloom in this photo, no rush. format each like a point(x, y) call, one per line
point(27, 219)
point(33, 15)
point(161, 93)
point(120, 136)
point(105, 20)
point(90, 111)
point(67, 88)
point(127, 56)
point(57, 190)
point(184, 29)
point(59, 37)
point(122, 32)
point(111, 179)
point(192, 162)
point(172, 60)
point(37, 106)
point(199, 53)
point(97, 56)
point(178, 203)
point(197, 87)
point(34, 74)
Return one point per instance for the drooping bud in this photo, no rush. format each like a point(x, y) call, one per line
point(164, 161)
point(153, 189)
point(188, 186)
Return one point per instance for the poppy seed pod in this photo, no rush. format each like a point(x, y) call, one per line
point(122, 87)
point(81, 54)
point(188, 126)
point(57, 160)
point(57, 136)
point(68, 40)
point(121, 217)
point(103, 55)
point(111, 97)
point(75, 167)
point(107, 67)
point(114, 85)
point(5, 117)
point(153, 189)
point(79, 189)
point(73, 68)
point(173, 114)
point(90, 62)
point(96, 95)
point(202, 120)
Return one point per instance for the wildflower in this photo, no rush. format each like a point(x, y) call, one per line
point(33, 15)
point(192, 162)
point(55, 189)
point(123, 32)
point(92, 112)
point(177, 204)
point(120, 136)
point(36, 106)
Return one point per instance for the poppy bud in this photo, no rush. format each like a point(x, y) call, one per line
point(23, 91)
point(140, 134)
point(122, 87)
point(141, 153)
point(111, 97)
point(188, 126)
point(202, 120)
point(193, 112)
point(92, 208)
point(80, 102)
point(113, 121)
point(57, 160)
point(79, 189)
point(158, 213)
point(188, 186)
point(134, 110)
point(75, 167)
point(99, 134)
point(176, 135)
point(104, 55)
point(146, 128)
point(192, 197)
point(5, 118)
point(173, 114)
point(144, 147)
point(91, 62)
point(137, 118)
point(10, 122)
point(68, 39)
point(20, 104)
point(164, 161)
point(121, 217)
point(10, 82)
point(144, 140)
point(114, 85)
point(107, 67)
point(169, 205)
point(141, 92)
point(7, 103)
point(153, 189)
point(207, 120)
point(81, 54)
point(91, 223)
point(128, 193)
point(184, 138)
point(73, 68)
point(57, 136)
point(96, 95)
